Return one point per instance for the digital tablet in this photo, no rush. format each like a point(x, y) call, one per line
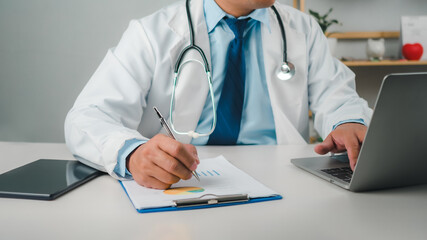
point(45, 179)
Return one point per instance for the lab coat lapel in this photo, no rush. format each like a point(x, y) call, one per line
point(287, 97)
point(192, 87)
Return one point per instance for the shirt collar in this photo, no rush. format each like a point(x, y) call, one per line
point(214, 14)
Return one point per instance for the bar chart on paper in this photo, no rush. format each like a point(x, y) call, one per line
point(208, 173)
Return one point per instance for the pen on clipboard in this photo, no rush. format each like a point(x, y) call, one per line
point(170, 134)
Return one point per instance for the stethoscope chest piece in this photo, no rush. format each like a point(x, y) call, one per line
point(286, 71)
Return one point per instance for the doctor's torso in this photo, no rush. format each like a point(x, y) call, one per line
point(192, 89)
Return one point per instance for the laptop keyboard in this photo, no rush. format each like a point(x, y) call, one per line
point(344, 173)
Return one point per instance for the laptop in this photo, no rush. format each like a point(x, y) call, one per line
point(394, 153)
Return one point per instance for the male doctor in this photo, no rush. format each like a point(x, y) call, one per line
point(112, 125)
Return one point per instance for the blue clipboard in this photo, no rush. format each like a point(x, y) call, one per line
point(209, 202)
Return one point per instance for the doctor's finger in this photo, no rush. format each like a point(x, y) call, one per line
point(192, 149)
point(152, 182)
point(143, 178)
point(361, 134)
point(353, 147)
point(326, 146)
point(171, 165)
point(163, 175)
point(178, 151)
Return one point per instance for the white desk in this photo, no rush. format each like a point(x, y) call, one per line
point(311, 208)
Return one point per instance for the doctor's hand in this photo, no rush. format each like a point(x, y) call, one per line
point(346, 137)
point(161, 162)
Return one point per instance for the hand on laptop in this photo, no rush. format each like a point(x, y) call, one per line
point(346, 137)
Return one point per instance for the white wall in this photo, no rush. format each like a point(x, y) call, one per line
point(48, 51)
point(50, 48)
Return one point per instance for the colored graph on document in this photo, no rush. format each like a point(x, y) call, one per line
point(183, 190)
point(208, 173)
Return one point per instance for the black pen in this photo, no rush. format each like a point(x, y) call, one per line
point(169, 132)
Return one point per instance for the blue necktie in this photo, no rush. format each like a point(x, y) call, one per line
point(229, 110)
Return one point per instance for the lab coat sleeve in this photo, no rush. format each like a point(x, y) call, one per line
point(331, 86)
point(108, 110)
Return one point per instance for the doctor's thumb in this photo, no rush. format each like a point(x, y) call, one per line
point(326, 146)
point(192, 149)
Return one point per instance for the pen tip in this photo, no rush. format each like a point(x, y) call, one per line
point(197, 177)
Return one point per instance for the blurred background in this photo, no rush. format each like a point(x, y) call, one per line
point(50, 48)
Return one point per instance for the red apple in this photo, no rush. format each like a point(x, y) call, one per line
point(412, 51)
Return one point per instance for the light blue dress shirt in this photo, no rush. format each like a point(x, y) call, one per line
point(257, 125)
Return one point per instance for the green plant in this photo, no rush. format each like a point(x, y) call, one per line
point(323, 20)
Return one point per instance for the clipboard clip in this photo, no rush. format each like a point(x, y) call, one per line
point(211, 199)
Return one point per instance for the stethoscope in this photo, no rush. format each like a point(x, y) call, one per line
point(285, 72)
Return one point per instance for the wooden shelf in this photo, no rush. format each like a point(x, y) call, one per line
point(384, 63)
point(363, 35)
point(300, 4)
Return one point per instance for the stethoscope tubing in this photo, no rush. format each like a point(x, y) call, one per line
point(192, 43)
point(282, 30)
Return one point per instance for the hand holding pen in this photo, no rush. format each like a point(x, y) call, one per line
point(170, 134)
point(161, 162)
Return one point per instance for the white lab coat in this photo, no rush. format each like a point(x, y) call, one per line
point(116, 104)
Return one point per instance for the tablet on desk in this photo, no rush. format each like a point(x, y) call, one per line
point(45, 179)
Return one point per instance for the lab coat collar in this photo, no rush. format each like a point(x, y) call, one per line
point(213, 14)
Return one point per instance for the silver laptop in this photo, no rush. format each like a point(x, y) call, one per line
point(394, 153)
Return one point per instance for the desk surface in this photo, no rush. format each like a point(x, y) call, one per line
point(311, 209)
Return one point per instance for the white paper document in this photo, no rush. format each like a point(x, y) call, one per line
point(217, 176)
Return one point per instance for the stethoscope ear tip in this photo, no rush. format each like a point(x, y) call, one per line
point(286, 71)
